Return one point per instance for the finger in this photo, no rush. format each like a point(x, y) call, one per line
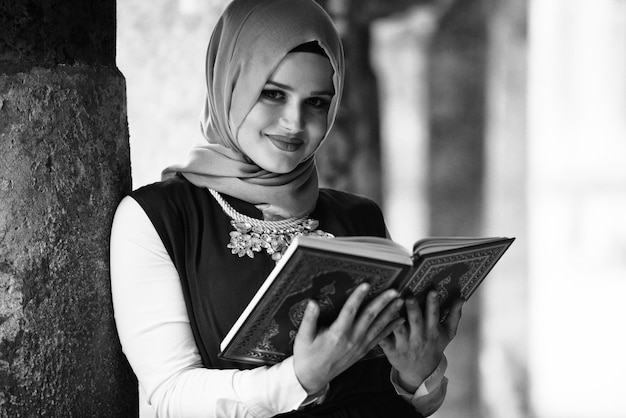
point(415, 318)
point(395, 325)
point(386, 321)
point(401, 337)
point(348, 312)
point(388, 341)
point(451, 323)
point(308, 326)
point(377, 314)
point(432, 313)
point(386, 344)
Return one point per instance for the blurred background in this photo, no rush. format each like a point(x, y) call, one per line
point(481, 117)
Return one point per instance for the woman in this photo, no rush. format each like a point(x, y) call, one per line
point(181, 274)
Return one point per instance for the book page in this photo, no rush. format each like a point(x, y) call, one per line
point(363, 246)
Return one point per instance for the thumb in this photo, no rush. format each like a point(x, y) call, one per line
point(308, 326)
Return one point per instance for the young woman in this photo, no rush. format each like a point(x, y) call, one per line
point(182, 273)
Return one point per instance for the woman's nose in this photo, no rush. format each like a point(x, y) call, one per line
point(292, 118)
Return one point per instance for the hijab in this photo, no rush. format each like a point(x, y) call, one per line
point(249, 41)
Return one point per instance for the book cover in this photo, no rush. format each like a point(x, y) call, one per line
point(327, 270)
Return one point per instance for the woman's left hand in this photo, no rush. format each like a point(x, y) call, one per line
point(416, 347)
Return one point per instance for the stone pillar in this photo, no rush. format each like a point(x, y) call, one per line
point(505, 310)
point(457, 128)
point(64, 167)
point(350, 158)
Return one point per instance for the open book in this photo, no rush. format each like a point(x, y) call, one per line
point(327, 270)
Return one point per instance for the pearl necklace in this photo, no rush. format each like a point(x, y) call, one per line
point(254, 235)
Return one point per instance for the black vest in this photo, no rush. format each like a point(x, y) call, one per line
point(217, 285)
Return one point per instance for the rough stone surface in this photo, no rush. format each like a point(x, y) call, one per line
point(50, 32)
point(64, 165)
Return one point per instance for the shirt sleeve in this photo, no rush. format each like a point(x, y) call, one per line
point(429, 396)
point(156, 337)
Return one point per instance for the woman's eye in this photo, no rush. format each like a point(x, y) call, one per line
point(318, 102)
point(272, 95)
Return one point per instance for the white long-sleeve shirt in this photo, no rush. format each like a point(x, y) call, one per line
point(156, 337)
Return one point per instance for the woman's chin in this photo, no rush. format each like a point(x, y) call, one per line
point(281, 164)
point(281, 169)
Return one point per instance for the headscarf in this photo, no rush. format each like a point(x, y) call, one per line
point(248, 43)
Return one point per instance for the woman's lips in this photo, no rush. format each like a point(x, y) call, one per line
point(286, 143)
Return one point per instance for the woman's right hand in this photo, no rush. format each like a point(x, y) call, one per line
point(322, 354)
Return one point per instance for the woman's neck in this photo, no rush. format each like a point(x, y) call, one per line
point(273, 213)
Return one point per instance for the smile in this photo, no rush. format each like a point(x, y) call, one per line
point(286, 143)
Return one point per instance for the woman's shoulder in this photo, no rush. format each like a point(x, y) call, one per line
point(174, 189)
point(175, 184)
point(346, 213)
point(173, 195)
point(346, 200)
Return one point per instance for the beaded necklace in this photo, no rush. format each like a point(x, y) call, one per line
point(255, 235)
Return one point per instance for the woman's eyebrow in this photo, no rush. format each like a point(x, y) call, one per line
point(289, 88)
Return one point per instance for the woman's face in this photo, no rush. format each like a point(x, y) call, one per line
point(289, 119)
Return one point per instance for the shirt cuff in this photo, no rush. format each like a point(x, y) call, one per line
point(428, 386)
point(316, 398)
point(277, 392)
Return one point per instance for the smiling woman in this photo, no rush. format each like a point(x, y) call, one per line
point(185, 260)
point(288, 122)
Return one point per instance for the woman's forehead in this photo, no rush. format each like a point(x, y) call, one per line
point(305, 71)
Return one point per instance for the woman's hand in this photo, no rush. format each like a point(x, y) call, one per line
point(322, 354)
point(415, 349)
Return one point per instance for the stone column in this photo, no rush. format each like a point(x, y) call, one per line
point(457, 129)
point(505, 308)
point(350, 158)
point(64, 165)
